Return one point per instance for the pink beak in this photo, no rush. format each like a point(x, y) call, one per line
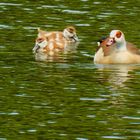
point(110, 41)
point(35, 49)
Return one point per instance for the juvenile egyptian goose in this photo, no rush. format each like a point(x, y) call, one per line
point(115, 50)
point(68, 34)
point(49, 46)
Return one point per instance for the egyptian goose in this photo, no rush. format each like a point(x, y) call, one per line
point(68, 34)
point(115, 50)
point(44, 45)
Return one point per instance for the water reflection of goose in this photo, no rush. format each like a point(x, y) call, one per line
point(115, 50)
point(49, 45)
point(117, 75)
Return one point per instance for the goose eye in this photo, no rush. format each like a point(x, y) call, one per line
point(118, 34)
point(39, 40)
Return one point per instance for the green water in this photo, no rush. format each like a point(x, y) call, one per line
point(72, 99)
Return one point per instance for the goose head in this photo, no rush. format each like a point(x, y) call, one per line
point(41, 41)
point(119, 39)
point(70, 34)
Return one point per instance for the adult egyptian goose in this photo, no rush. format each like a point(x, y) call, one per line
point(115, 50)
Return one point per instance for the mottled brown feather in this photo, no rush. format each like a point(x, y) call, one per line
point(132, 48)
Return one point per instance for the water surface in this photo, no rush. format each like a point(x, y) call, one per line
point(72, 99)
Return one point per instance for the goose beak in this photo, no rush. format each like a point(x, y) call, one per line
point(110, 41)
point(75, 38)
point(35, 49)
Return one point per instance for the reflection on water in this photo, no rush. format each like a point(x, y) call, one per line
point(62, 56)
point(70, 98)
point(118, 74)
point(118, 79)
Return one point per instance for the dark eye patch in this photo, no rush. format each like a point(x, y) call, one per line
point(71, 30)
point(102, 39)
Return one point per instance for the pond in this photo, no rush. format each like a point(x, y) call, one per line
point(72, 99)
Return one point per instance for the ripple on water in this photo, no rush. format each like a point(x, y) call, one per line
point(2, 47)
point(3, 139)
point(9, 4)
point(32, 130)
point(114, 137)
point(55, 113)
point(5, 26)
point(52, 18)
point(7, 67)
point(131, 117)
point(105, 14)
point(51, 122)
point(27, 9)
point(23, 95)
point(81, 139)
point(91, 116)
point(41, 124)
point(63, 134)
point(29, 28)
point(48, 6)
point(96, 2)
point(75, 12)
point(93, 99)
point(120, 7)
point(83, 25)
point(14, 113)
point(135, 131)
